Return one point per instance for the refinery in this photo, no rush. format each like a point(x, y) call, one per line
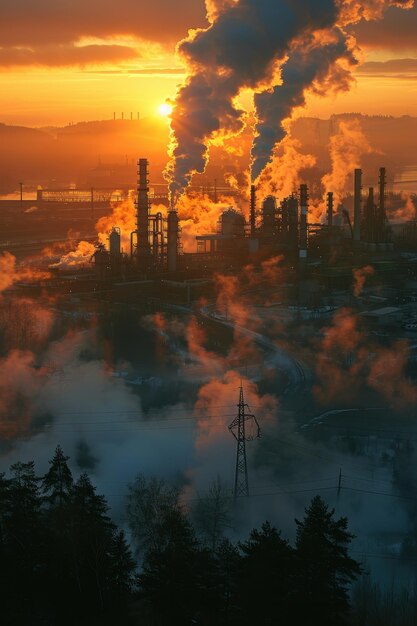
point(317, 255)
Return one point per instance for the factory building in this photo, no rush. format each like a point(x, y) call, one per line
point(276, 228)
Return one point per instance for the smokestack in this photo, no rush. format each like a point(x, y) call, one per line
point(142, 209)
point(382, 186)
point(303, 222)
point(173, 230)
point(357, 206)
point(330, 209)
point(253, 210)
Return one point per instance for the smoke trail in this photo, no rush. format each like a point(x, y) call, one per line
point(347, 146)
point(243, 48)
point(11, 272)
point(312, 64)
point(240, 49)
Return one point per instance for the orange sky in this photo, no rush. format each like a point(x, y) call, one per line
point(67, 61)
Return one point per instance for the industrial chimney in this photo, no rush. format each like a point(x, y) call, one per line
point(303, 222)
point(357, 206)
point(253, 210)
point(382, 185)
point(142, 210)
point(172, 243)
point(330, 210)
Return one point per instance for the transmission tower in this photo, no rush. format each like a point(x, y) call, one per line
point(239, 432)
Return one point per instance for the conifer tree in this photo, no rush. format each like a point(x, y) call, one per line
point(266, 572)
point(325, 569)
point(176, 578)
point(57, 483)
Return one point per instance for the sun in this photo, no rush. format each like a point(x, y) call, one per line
point(165, 109)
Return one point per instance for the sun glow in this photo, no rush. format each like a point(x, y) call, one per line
point(165, 109)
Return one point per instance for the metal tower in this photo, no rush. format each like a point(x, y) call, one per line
point(238, 430)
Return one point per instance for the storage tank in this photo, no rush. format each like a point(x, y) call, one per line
point(232, 224)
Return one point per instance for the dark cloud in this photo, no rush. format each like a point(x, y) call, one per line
point(29, 22)
point(397, 31)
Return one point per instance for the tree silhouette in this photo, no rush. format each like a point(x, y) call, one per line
point(58, 482)
point(266, 572)
point(178, 578)
point(149, 501)
point(325, 569)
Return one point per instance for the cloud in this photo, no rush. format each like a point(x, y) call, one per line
point(65, 55)
point(28, 23)
point(401, 68)
point(396, 31)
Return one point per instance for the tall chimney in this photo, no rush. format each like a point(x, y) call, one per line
point(172, 248)
point(357, 206)
point(253, 210)
point(381, 213)
point(382, 186)
point(303, 222)
point(330, 210)
point(142, 209)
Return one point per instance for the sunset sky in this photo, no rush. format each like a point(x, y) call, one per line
point(70, 61)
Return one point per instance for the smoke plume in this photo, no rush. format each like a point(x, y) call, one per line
point(276, 49)
point(11, 272)
point(347, 147)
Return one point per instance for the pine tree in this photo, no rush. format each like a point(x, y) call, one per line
point(92, 534)
point(57, 487)
point(25, 540)
point(325, 569)
point(266, 572)
point(57, 483)
point(177, 577)
point(121, 572)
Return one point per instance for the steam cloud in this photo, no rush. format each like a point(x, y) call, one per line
point(277, 49)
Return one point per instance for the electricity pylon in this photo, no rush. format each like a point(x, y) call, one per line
point(238, 430)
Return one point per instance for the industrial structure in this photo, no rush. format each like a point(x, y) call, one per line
point(276, 228)
point(240, 431)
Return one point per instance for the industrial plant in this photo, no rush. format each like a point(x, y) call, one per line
point(341, 240)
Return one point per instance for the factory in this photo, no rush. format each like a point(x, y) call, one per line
point(274, 228)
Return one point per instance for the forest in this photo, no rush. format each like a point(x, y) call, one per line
point(64, 561)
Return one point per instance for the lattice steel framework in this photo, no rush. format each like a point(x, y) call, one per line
point(239, 431)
